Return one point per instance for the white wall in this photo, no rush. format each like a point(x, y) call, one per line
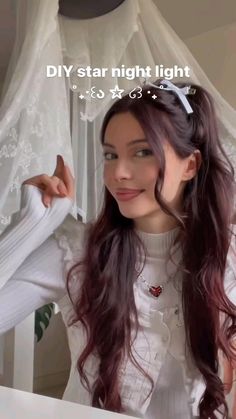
point(216, 53)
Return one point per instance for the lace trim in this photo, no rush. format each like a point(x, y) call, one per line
point(63, 243)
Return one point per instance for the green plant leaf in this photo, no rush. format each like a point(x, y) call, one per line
point(42, 319)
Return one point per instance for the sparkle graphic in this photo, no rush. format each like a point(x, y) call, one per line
point(81, 96)
point(154, 96)
point(116, 92)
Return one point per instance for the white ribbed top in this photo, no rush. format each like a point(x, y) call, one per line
point(158, 244)
point(169, 399)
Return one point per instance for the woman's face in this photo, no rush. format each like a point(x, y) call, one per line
point(130, 163)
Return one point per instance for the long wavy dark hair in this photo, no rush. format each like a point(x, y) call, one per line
point(105, 304)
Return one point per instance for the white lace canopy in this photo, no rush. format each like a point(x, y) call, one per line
point(41, 117)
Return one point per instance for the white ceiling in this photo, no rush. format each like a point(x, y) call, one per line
point(188, 18)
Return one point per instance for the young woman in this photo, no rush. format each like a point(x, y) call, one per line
point(148, 290)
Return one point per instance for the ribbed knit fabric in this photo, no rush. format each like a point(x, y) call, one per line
point(169, 399)
point(31, 263)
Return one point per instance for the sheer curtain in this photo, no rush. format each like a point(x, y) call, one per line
point(34, 113)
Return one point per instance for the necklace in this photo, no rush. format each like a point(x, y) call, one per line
point(155, 291)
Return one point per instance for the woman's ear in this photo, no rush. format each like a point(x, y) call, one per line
point(193, 163)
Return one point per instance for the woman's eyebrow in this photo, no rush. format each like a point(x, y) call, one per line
point(141, 140)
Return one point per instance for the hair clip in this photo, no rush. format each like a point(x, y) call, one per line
point(181, 92)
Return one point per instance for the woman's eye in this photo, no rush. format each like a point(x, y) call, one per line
point(145, 152)
point(108, 156)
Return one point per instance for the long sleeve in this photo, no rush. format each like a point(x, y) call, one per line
point(31, 226)
point(31, 262)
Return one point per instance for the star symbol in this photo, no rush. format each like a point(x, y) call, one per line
point(154, 96)
point(81, 96)
point(116, 92)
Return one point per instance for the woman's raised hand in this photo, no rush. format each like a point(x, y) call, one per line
point(60, 184)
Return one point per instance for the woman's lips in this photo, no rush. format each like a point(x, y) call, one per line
point(126, 196)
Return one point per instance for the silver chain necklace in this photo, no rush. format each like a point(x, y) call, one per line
point(154, 290)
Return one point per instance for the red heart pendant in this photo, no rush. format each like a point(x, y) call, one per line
point(156, 291)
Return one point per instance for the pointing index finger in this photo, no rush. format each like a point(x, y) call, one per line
point(59, 167)
point(68, 180)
